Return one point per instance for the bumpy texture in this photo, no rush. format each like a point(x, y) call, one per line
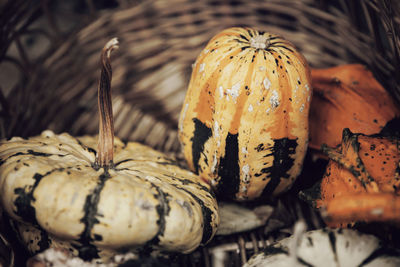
point(56, 196)
point(362, 180)
point(244, 121)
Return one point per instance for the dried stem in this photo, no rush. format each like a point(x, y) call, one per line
point(106, 123)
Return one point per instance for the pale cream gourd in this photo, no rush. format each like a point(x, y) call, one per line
point(60, 191)
point(49, 181)
point(328, 248)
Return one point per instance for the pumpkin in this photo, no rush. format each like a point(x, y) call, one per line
point(61, 192)
point(362, 180)
point(347, 96)
point(327, 247)
point(244, 122)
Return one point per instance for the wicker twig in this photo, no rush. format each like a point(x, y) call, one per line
point(160, 39)
point(159, 44)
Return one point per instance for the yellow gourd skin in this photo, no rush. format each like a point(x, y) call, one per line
point(244, 122)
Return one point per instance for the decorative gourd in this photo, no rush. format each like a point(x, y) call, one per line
point(60, 192)
point(244, 121)
point(347, 96)
point(328, 248)
point(362, 180)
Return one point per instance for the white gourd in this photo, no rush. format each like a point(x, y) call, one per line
point(327, 248)
point(49, 182)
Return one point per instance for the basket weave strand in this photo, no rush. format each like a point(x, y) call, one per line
point(159, 42)
point(49, 65)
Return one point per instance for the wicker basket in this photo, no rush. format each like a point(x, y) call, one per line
point(49, 64)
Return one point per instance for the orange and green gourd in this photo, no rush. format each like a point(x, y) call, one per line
point(362, 180)
point(244, 121)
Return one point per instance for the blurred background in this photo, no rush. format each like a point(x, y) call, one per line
point(49, 55)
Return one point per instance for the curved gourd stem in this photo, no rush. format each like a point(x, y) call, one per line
point(104, 158)
point(260, 42)
point(349, 158)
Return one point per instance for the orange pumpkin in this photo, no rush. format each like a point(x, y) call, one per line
point(347, 96)
point(362, 180)
point(244, 121)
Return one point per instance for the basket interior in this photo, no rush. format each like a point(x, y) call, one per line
point(49, 66)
